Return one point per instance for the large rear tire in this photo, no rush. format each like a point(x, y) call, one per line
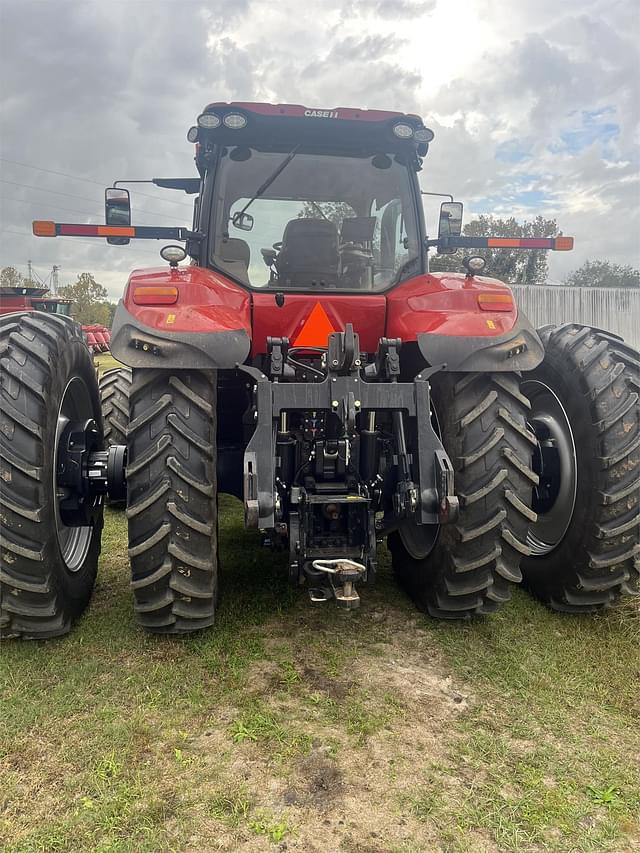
point(47, 569)
point(472, 565)
point(171, 499)
point(584, 400)
point(115, 387)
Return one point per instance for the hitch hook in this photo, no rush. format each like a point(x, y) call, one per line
point(346, 573)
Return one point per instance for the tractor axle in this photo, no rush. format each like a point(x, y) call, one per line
point(85, 474)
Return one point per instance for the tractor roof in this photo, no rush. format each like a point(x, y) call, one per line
point(283, 126)
point(21, 290)
point(298, 111)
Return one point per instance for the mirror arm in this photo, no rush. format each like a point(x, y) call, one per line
point(192, 236)
point(440, 195)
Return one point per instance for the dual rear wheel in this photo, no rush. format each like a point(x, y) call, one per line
point(48, 562)
point(546, 470)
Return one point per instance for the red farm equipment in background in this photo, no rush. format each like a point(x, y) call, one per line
point(12, 299)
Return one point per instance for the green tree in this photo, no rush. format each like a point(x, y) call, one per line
point(10, 277)
point(111, 308)
point(89, 300)
point(603, 274)
point(334, 211)
point(514, 266)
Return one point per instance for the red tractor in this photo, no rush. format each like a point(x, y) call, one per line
point(13, 299)
point(308, 362)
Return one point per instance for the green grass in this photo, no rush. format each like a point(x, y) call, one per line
point(112, 740)
point(105, 361)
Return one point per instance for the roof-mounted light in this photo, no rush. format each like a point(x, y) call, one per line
point(424, 134)
point(234, 121)
point(208, 121)
point(192, 134)
point(403, 131)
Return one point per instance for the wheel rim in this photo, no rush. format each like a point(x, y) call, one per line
point(418, 540)
point(74, 542)
point(555, 463)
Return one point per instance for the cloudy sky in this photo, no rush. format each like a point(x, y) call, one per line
point(534, 105)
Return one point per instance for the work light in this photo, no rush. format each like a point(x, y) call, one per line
point(234, 121)
point(403, 131)
point(423, 135)
point(208, 120)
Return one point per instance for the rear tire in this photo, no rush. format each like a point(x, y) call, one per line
point(115, 388)
point(476, 560)
point(596, 378)
point(171, 499)
point(47, 570)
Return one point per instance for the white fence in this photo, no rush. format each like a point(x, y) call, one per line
point(611, 308)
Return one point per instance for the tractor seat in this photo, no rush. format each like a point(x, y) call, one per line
point(309, 253)
point(235, 255)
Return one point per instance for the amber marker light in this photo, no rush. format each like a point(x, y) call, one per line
point(44, 228)
point(155, 295)
point(495, 301)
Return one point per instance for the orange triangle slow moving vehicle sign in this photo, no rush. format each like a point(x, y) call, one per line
point(316, 329)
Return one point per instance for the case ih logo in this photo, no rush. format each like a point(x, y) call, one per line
point(321, 113)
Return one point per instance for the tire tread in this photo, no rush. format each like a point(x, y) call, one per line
point(604, 373)
point(172, 511)
point(476, 560)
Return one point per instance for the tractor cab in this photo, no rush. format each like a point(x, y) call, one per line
point(302, 199)
point(311, 200)
point(32, 299)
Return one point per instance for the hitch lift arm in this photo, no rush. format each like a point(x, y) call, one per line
point(345, 393)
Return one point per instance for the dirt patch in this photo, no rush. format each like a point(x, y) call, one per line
point(374, 729)
point(333, 688)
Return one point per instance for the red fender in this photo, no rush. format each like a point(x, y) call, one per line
point(201, 321)
point(206, 302)
point(448, 304)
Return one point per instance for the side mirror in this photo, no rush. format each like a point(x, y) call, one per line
point(117, 211)
point(243, 221)
point(450, 224)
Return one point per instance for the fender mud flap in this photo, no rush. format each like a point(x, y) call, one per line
point(520, 349)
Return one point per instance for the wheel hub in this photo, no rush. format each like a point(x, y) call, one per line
point(83, 473)
point(77, 504)
point(554, 461)
point(74, 529)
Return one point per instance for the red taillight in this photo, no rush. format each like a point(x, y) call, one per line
point(495, 301)
point(145, 295)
